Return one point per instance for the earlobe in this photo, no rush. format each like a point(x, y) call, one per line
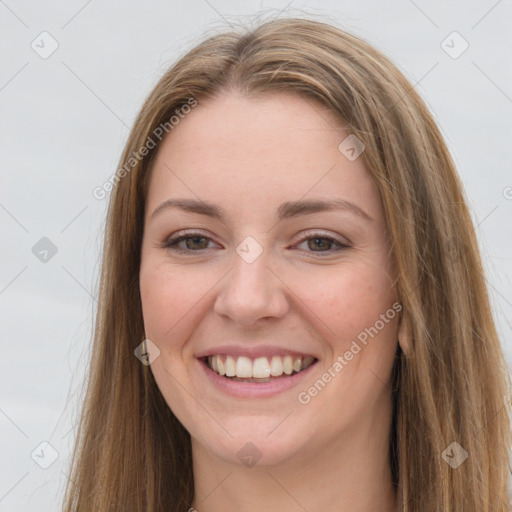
point(405, 334)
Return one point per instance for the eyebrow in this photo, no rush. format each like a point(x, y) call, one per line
point(285, 211)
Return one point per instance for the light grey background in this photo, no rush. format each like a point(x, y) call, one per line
point(64, 120)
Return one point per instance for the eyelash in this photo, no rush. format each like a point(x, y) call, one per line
point(171, 243)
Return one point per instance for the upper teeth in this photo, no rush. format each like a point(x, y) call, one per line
point(259, 368)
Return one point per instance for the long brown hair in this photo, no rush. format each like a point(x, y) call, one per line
point(132, 454)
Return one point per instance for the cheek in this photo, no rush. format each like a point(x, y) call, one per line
point(354, 306)
point(346, 299)
point(171, 296)
point(171, 303)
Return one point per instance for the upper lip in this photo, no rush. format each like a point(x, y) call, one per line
point(252, 351)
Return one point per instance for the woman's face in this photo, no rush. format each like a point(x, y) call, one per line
point(268, 281)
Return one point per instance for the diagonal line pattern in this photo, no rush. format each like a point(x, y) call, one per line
point(13, 218)
point(76, 14)
point(78, 282)
point(215, 488)
point(409, 90)
point(309, 102)
point(13, 279)
point(497, 291)
point(206, 1)
point(12, 488)
point(282, 10)
point(279, 424)
point(68, 477)
point(286, 491)
point(486, 217)
point(424, 14)
point(98, 97)
point(486, 14)
point(14, 76)
point(386, 384)
point(500, 411)
point(69, 431)
point(14, 423)
point(74, 218)
point(491, 80)
point(13, 13)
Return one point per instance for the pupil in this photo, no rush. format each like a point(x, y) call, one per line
point(325, 243)
point(194, 240)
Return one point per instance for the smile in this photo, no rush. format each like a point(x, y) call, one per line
point(259, 369)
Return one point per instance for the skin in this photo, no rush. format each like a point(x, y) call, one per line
point(248, 156)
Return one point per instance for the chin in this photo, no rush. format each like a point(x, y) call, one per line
point(256, 453)
point(261, 444)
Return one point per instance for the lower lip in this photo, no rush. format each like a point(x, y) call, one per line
point(255, 389)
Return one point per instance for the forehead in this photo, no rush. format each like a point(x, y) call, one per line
point(253, 152)
point(237, 126)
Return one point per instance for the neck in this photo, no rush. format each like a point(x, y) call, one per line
point(350, 473)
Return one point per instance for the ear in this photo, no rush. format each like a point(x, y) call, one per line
point(405, 334)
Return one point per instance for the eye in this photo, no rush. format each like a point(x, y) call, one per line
point(320, 243)
point(194, 241)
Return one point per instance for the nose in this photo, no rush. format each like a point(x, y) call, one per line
point(251, 292)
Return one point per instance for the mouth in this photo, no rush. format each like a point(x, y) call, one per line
point(258, 369)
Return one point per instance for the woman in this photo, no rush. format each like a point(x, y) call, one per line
point(293, 312)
